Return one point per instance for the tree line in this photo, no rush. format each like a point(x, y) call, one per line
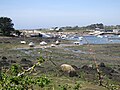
point(6, 27)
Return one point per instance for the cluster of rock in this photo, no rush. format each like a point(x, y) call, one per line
point(6, 63)
point(72, 70)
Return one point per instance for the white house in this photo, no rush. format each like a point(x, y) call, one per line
point(116, 31)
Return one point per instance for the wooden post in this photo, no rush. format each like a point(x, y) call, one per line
point(0, 73)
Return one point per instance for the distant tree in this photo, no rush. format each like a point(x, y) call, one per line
point(17, 32)
point(118, 26)
point(75, 27)
point(94, 26)
point(101, 26)
point(6, 26)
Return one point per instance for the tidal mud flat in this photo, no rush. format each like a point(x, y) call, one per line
point(13, 52)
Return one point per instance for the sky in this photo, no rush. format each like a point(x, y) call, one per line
point(34, 14)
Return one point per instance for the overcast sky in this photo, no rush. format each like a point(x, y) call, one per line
point(30, 14)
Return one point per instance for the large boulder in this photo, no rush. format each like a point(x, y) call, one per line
point(88, 69)
point(66, 68)
point(4, 58)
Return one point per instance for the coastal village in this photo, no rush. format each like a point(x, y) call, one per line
point(60, 33)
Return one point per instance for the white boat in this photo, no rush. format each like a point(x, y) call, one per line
point(77, 43)
point(99, 36)
point(23, 42)
point(57, 42)
point(43, 43)
point(31, 44)
point(111, 40)
point(63, 36)
point(52, 45)
point(80, 38)
point(106, 36)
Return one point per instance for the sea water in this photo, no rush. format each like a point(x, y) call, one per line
point(100, 39)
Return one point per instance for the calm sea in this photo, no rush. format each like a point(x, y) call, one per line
point(100, 39)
